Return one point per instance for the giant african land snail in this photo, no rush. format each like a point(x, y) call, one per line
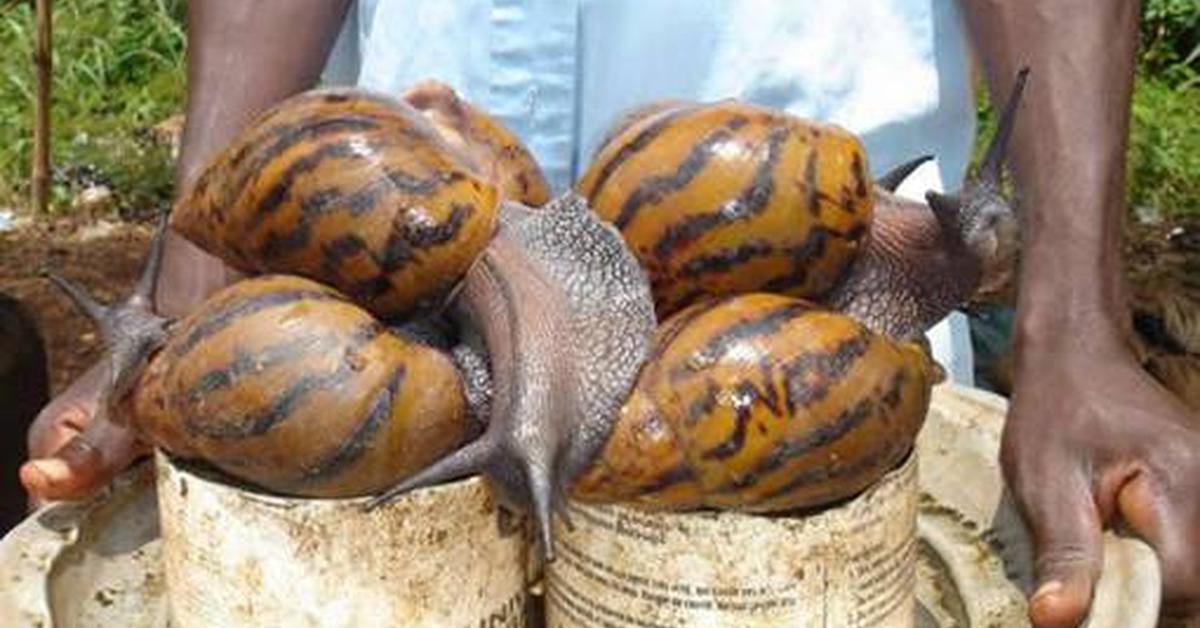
point(760, 402)
point(362, 193)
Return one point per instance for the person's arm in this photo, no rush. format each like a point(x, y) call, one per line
point(1091, 439)
point(243, 57)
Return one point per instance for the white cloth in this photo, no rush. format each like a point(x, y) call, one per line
point(559, 72)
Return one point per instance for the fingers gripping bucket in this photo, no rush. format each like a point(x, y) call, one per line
point(437, 557)
point(847, 566)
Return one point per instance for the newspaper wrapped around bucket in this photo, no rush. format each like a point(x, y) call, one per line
point(437, 557)
point(850, 565)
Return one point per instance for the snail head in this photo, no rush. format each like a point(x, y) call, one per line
point(131, 330)
point(566, 315)
point(980, 216)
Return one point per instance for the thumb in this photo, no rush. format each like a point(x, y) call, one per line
point(84, 464)
point(1169, 522)
point(1066, 528)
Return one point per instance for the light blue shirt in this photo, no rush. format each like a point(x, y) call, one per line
point(559, 72)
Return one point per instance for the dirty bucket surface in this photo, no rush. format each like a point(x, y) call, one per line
point(852, 565)
point(436, 557)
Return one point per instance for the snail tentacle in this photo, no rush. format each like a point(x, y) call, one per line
point(993, 158)
point(143, 292)
point(130, 329)
point(470, 459)
point(892, 179)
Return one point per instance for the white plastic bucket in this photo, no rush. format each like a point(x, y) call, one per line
point(436, 557)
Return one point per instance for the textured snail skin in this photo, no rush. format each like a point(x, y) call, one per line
point(566, 316)
point(357, 191)
point(496, 153)
point(283, 383)
point(728, 198)
point(365, 194)
point(761, 402)
point(923, 260)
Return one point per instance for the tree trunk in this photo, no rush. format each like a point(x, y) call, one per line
point(41, 129)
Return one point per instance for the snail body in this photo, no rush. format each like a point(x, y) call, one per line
point(348, 181)
point(761, 403)
point(357, 191)
point(281, 382)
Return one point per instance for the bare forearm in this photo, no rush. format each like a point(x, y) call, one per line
point(1068, 151)
point(243, 57)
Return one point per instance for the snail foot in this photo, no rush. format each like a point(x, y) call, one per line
point(520, 470)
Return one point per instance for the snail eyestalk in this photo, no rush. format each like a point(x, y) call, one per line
point(990, 167)
point(131, 330)
point(892, 179)
point(978, 213)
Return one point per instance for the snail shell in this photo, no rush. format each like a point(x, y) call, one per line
point(495, 151)
point(729, 198)
point(761, 402)
point(283, 383)
point(355, 190)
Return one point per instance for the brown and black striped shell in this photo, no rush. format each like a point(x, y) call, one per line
point(730, 198)
point(492, 148)
point(761, 403)
point(358, 191)
point(283, 383)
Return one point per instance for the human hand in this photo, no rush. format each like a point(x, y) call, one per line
point(1093, 441)
point(74, 452)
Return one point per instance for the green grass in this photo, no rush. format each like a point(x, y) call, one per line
point(1164, 148)
point(118, 70)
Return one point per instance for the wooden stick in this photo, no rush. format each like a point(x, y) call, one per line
point(41, 127)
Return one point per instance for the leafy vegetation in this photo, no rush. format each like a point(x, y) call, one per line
point(118, 70)
point(1164, 143)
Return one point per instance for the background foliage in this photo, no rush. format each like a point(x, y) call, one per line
point(119, 71)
